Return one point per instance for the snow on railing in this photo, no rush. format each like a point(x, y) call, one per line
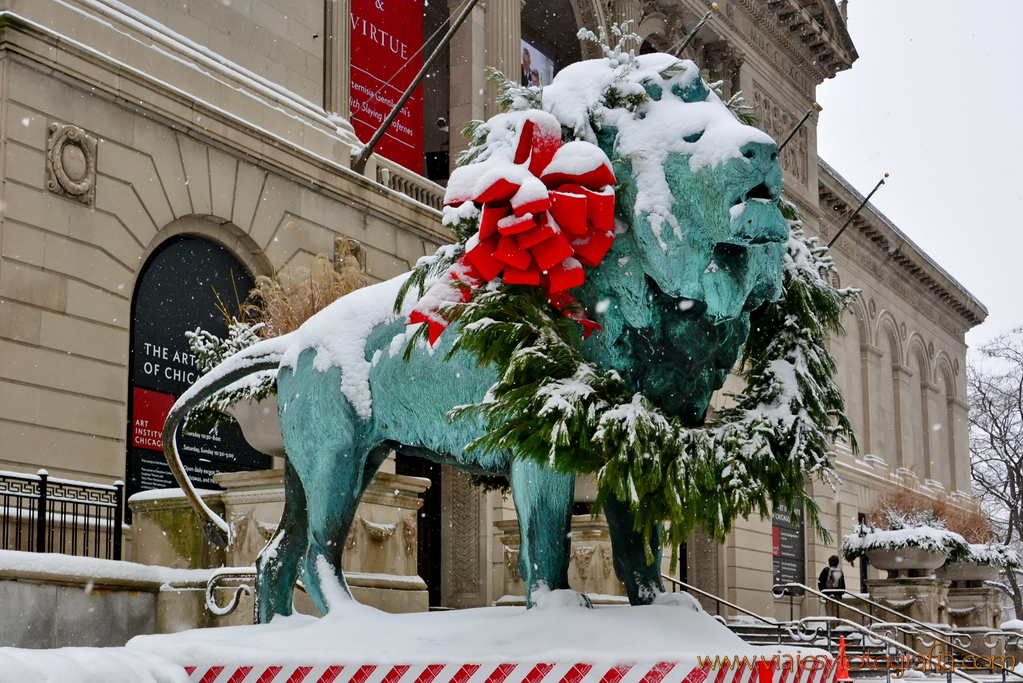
point(409, 184)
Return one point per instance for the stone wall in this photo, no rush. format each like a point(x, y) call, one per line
point(58, 611)
point(235, 162)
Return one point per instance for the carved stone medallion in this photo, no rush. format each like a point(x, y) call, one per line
point(71, 163)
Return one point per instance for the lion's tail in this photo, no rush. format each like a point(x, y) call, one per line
point(264, 355)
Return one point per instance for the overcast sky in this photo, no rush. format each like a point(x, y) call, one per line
point(935, 99)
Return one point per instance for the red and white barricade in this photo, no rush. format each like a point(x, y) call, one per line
point(656, 672)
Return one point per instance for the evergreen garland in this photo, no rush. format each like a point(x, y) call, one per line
point(550, 405)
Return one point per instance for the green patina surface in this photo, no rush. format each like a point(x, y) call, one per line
point(674, 304)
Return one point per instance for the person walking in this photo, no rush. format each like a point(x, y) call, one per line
point(831, 582)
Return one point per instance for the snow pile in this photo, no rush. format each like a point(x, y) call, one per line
point(561, 632)
point(95, 569)
point(929, 538)
point(87, 665)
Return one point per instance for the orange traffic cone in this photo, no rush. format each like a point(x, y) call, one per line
point(842, 675)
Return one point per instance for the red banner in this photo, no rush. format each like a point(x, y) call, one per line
point(149, 412)
point(385, 35)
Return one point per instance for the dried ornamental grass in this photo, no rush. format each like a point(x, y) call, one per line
point(278, 304)
point(915, 507)
point(285, 300)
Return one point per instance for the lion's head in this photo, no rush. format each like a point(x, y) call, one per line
point(701, 235)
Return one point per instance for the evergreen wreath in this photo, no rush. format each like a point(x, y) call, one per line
point(550, 405)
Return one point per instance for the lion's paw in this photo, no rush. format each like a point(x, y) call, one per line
point(679, 599)
point(544, 598)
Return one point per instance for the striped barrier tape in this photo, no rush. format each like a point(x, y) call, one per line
point(659, 672)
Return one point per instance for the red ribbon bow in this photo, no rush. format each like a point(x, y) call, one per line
point(546, 212)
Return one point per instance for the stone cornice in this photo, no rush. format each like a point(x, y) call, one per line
point(873, 237)
point(307, 158)
point(802, 38)
point(820, 29)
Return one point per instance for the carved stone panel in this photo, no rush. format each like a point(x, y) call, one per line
point(778, 123)
point(462, 566)
point(591, 566)
point(71, 163)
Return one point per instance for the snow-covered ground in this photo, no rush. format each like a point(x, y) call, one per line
point(360, 635)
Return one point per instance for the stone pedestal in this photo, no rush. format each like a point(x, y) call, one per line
point(974, 607)
point(924, 598)
point(380, 561)
point(591, 570)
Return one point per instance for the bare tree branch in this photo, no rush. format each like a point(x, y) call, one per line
point(995, 382)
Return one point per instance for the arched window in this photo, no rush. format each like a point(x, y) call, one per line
point(918, 453)
point(944, 430)
point(188, 282)
point(886, 423)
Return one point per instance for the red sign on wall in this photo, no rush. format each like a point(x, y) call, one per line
point(385, 35)
point(149, 412)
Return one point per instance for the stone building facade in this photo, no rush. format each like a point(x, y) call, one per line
point(128, 124)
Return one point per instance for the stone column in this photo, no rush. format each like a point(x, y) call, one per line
point(870, 358)
point(468, 52)
point(900, 387)
point(504, 44)
point(627, 10)
point(724, 63)
point(336, 57)
point(959, 432)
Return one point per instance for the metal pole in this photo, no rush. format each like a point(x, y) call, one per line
point(118, 516)
point(799, 125)
point(41, 513)
point(858, 209)
point(359, 162)
point(684, 43)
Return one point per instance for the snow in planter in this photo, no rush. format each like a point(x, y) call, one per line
point(929, 538)
point(993, 555)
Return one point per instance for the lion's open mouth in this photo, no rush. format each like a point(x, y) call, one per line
point(761, 191)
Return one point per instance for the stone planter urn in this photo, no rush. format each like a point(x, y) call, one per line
point(905, 559)
point(260, 424)
point(969, 571)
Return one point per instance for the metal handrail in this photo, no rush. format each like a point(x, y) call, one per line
point(877, 636)
point(721, 601)
point(792, 627)
point(934, 633)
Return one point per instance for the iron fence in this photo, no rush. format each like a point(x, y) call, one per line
point(43, 514)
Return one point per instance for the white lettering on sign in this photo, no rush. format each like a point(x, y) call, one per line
point(145, 436)
point(172, 356)
point(379, 36)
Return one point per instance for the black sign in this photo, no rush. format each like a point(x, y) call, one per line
point(183, 286)
point(788, 545)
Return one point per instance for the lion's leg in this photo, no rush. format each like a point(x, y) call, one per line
point(323, 439)
point(543, 502)
point(278, 563)
point(642, 581)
